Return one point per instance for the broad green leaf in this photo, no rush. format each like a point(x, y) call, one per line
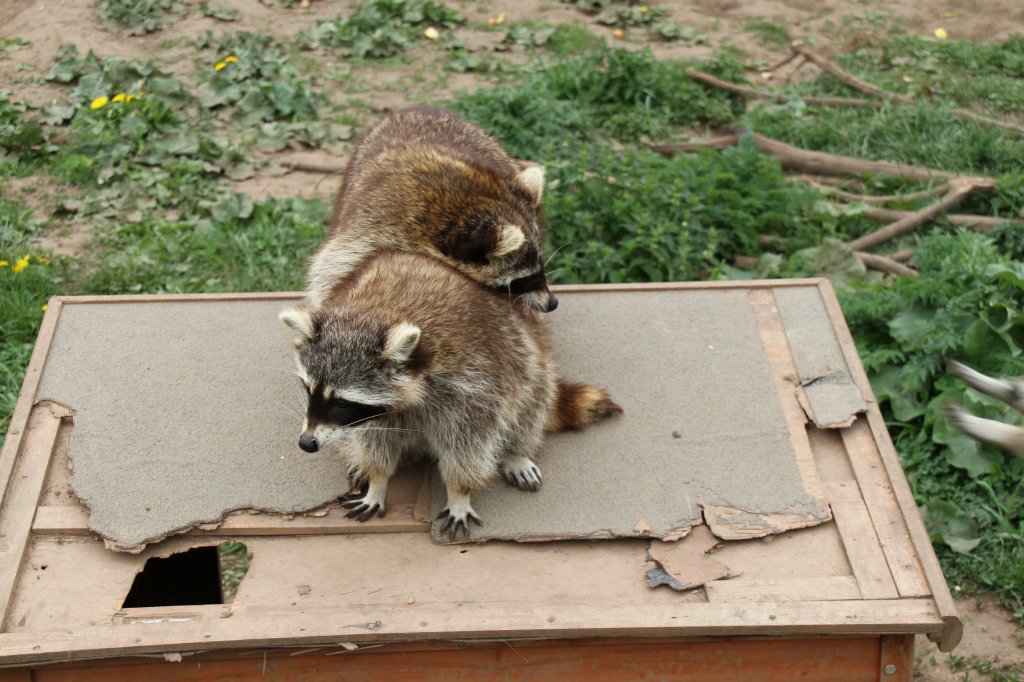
point(949, 524)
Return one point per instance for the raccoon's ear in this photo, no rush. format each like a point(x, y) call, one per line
point(531, 179)
point(510, 238)
point(401, 342)
point(300, 320)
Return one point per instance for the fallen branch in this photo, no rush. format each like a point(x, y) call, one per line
point(958, 191)
point(306, 167)
point(902, 256)
point(817, 163)
point(979, 223)
point(737, 89)
point(874, 198)
point(884, 264)
point(837, 72)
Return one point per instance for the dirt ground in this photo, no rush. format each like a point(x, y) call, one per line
point(833, 25)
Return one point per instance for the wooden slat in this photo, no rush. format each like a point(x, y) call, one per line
point(885, 512)
point(23, 492)
point(23, 407)
point(66, 520)
point(897, 658)
point(953, 631)
point(858, 534)
point(822, 660)
point(476, 621)
point(835, 588)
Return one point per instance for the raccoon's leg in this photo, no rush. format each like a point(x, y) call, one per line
point(467, 461)
point(524, 440)
point(522, 472)
point(374, 459)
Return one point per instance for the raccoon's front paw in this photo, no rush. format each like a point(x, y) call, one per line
point(458, 516)
point(363, 508)
point(522, 473)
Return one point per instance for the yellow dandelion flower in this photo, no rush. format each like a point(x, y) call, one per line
point(44, 261)
point(500, 20)
point(219, 66)
point(641, 9)
point(44, 308)
point(129, 98)
point(230, 59)
point(941, 33)
point(99, 103)
point(3, 264)
point(119, 97)
point(21, 264)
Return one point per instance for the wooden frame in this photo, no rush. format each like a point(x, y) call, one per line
point(895, 587)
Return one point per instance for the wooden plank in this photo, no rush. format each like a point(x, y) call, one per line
point(64, 520)
point(16, 675)
point(836, 588)
point(953, 631)
point(862, 549)
point(563, 288)
point(897, 658)
point(885, 511)
point(473, 620)
point(23, 407)
point(24, 490)
point(823, 660)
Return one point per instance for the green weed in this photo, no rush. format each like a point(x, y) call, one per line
point(772, 35)
point(381, 28)
point(142, 16)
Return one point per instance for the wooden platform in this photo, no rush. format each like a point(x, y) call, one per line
point(325, 599)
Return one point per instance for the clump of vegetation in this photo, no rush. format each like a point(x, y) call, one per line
point(142, 16)
point(770, 34)
point(381, 28)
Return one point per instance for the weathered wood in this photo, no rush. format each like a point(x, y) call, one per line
point(823, 660)
point(897, 658)
point(836, 588)
point(862, 549)
point(884, 510)
point(478, 621)
point(953, 626)
point(22, 496)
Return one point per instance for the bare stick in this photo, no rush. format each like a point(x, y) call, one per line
point(958, 191)
point(735, 88)
point(884, 264)
point(875, 198)
point(902, 256)
point(979, 223)
point(305, 167)
point(778, 65)
point(839, 73)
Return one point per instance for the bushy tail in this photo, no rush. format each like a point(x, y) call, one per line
point(578, 405)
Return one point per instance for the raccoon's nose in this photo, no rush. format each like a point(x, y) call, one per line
point(552, 302)
point(308, 444)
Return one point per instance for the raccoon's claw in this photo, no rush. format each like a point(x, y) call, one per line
point(362, 509)
point(523, 474)
point(458, 521)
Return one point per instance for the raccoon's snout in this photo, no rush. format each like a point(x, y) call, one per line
point(308, 443)
point(534, 292)
point(552, 302)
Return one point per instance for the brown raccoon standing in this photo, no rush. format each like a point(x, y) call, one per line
point(409, 356)
point(427, 181)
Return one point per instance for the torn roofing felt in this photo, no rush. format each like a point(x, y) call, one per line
point(184, 411)
point(703, 427)
point(830, 396)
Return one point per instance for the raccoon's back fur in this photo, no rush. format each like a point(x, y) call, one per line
point(410, 355)
point(426, 181)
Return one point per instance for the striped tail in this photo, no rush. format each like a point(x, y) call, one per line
point(578, 405)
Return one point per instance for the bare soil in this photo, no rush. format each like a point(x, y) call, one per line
point(832, 25)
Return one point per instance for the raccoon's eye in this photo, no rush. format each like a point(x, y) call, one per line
point(345, 412)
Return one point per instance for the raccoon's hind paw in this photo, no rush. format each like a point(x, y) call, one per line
point(363, 508)
point(458, 518)
point(523, 473)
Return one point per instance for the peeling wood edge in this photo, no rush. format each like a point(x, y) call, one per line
point(953, 629)
point(29, 387)
point(58, 301)
point(476, 622)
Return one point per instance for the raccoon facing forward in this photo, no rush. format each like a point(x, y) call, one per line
point(426, 181)
point(410, 356)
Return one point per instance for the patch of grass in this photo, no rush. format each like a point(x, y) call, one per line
point(142, 16)
point(772, 35)
point(573, 39)
point(381, 28)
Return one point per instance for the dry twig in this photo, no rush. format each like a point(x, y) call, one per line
point(884, 264)
point(737, 89)
point(978, 223)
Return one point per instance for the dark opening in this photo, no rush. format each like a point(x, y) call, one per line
point(201, 575)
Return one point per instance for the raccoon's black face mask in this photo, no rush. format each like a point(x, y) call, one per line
point(340, 412)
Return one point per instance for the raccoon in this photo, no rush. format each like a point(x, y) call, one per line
point(427, 181)
point(411, 356)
